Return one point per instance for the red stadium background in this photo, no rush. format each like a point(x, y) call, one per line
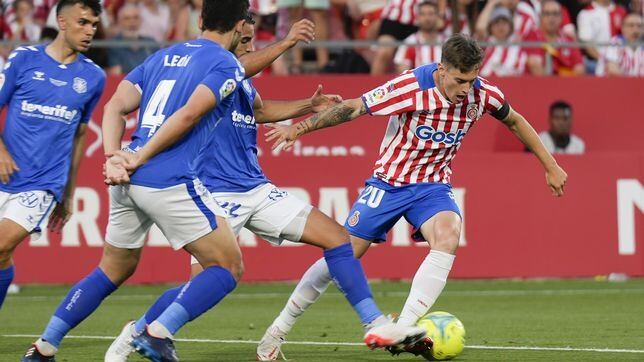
point(513, 226)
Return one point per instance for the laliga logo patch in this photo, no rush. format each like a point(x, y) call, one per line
point(354, 219)
point(80, 85)
point(472, 111)
point(227, 88)
point(379, 94)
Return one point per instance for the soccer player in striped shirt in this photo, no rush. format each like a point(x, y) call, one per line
point(432, 108)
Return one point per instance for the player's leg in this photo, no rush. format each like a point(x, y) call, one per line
point(338, 264)
point(11, 234)
point(439, 222)
point(238, 208)
point(219, 255)
point(20, 214)
point(189, 210)
point(125, 236)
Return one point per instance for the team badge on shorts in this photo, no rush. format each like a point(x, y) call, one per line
point(472, 111)
point(354, 219)
point(28, 199)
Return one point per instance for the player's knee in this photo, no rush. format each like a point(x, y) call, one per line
point(446, 239)
point(339, 236)
point(6, 250)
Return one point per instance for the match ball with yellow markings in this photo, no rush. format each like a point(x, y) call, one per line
point(448, 334)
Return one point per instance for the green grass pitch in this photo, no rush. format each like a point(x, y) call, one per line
point(564, 320)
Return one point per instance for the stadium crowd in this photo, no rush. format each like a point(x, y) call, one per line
point(422, 24)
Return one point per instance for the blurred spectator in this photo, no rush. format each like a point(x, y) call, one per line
point(41, 9)
point(559, 139)
point(366, 17)
point(193, 18)
point(567, 27)
point(179, 20)
point(318, 10)
point(502, 59)
point(155, 18)
point(417, 52)
point(522, 15)
point(398, 19)
point(122, 60)
point(23, 27)
point(625, 58)
point(565, 61)
point(599, 22)
point(466, 10)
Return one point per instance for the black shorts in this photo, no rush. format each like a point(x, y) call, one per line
point(398, 30)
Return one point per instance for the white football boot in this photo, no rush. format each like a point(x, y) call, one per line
point(120, 349)
point(390, 334)
point(270, 347)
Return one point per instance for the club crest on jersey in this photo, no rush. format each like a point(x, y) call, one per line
point(227, 88)
point(38, 76)
point(472, 111)
point(354, 219)
point(80, 85)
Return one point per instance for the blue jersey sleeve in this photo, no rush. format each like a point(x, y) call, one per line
point(10, 75)
point(89, 107)
point(224, 78)
point(136, 76)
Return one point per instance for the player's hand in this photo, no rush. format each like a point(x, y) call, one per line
point(556, 179)
point(7, 166)
point(115, 170)
point(61, 215)
point(281, 134)
point(320, 102)
point(303, 30)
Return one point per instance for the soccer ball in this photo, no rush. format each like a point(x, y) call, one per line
point(448, 334)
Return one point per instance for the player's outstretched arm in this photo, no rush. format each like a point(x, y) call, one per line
point(555, 175)
point(276, 111)
point(255, 62)
point(344, 112)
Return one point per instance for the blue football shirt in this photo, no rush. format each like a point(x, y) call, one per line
point(229, 162)
point(167, 79)
point(46, 102)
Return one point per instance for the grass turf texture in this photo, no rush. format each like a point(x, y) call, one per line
point(548, 314)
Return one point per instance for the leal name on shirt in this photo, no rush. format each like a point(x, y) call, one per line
point(176, 60)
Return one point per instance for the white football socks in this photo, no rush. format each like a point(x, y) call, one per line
point(313, 283)
point(45, 348)
point(427, 285)
point(158, 330)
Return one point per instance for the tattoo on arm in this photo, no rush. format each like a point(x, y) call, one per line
point(329, 118)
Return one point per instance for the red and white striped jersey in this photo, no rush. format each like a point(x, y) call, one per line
point(416, 53)
point(600, 23)
point(504, 61)
point(630, 60)
point(525, 20)
point(401, 11)
point(425, 129)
